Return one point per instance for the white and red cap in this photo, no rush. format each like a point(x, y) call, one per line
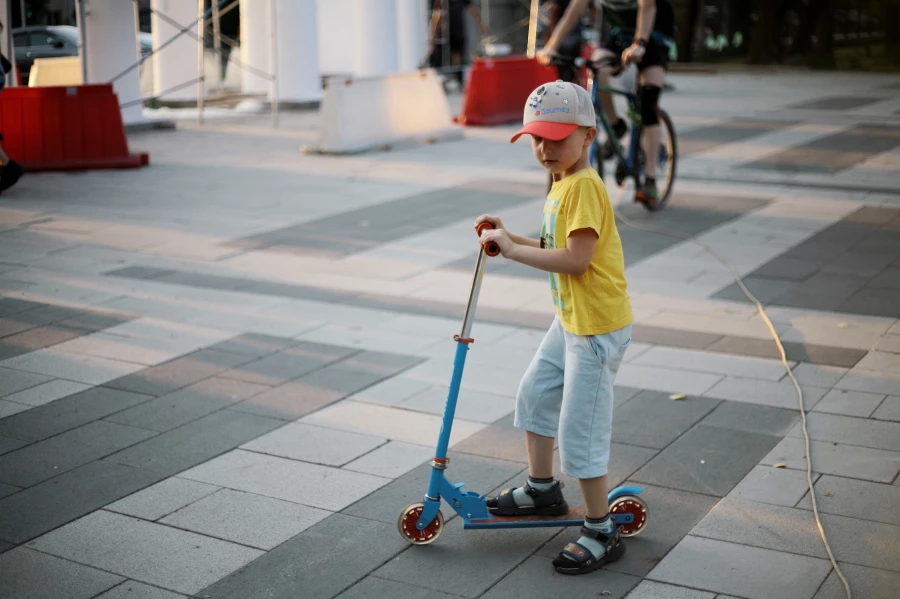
point(555, 110)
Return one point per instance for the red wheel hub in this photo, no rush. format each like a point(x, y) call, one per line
point(409, 526)
point(629, 506)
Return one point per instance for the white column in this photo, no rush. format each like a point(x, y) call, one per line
point(6, 38)
point(412, 33)
point(297, 60)
point(175, 64)
point(256, 45)
point(375, 29)
point(111, 48)
point(337, 53)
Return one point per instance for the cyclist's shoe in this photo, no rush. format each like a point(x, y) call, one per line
point(10, 173)
point(648, 194)
point(620, 129)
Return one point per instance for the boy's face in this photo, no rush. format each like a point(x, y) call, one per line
point(567, 155)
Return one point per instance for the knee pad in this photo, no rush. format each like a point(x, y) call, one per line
point(649, 104)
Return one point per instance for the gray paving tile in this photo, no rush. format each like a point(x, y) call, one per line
point(704, 138)
point(314, 563)
point(91, 322)
point(752, 418)
point(855, 499)
point(888, 410)
point(536, 578)
point(35, 339)
point(833, 458)
point(849, 403)
point(162, 499)
point(181, 372)
point(159, 555)
point(778, 486)
point(138, 272)
point(656, 590)
point(7, 444)
point(371, 586)
point(246, 518)
point(206, 281)
point(47, 392)
point(9, 408)
point(49, 458)
point(314, 444)
point(288, 364)
point(852, 431)
point(500, 440)
point(7, 490)
point(764, 289)
point(186, 405)
point(670, 419)
point(55, 502)
point(864, 582)
point(195, 442)
point(254, 344)
point(470, 561)
point(873, 301)
point(836, 103)
point(793, 530)
point(27, 574)
point(887, 279)
point(673, 338)
point(68, 413)
point(748, 572)
point(12, 381)
point(479, 474)
point(707, 459)
point(138, 590)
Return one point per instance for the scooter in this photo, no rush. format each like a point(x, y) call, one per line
point(422, 523)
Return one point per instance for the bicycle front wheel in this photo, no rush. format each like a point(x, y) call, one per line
point(666, 160)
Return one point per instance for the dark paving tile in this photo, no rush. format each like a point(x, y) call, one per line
point(7, 490)
point(470, 561)
point(27, 574)
point(860, 262)
point(298, 291)
point(836, 103)
point(653, 420)
point(378, 587)
point(93, 321)
point(729, 131)
point(181, 372)
point(870, 583)
point(196, 442)
point(873, 301)
point(832, 153)
point(63, 318)
point(13, 381)
point(671, 337)
point(764, 289)
point(796, 352)
point(822, 292)
point(535, 578)
point(138, 272)
point(287, 364)
point(188, 404)
point(707, 459)
point(34, 339)
point(7, 444)
point(500, 440)
point(4, 546)
point(68, 413)
point(314, 563)
point(254, 344)
point(9, 305)
point(785, 267)
point(752, 418)
point(49, 505)
point(624, 461)
point(44, 460)
point(889, 278)
point(479, 474)
point(363, 228)
point(194, 279)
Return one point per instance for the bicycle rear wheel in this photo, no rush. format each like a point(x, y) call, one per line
point(666, 161)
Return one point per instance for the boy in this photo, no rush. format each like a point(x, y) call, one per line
point(568, 388)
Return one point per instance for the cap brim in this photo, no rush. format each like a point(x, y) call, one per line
point(551, 131)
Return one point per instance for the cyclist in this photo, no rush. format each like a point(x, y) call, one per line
point(640, 34)
point(569, 46)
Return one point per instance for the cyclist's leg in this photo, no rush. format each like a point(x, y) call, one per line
point(612, 48)
point(569, 49)
point(652, 81)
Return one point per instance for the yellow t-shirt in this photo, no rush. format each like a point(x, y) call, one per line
point(597, 301)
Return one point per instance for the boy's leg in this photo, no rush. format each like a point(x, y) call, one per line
point(537, 412)
point(586, 428)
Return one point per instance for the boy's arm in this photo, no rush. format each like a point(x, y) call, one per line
point(574, 259)
point(527, 241)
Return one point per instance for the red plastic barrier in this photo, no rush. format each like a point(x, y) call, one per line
point(499, 87)
point(65, 128)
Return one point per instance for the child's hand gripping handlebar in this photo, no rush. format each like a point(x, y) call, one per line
point(490, 248)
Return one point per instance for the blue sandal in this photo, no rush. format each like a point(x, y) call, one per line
point(577, 559)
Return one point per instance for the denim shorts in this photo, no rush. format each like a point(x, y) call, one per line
point(567, 391)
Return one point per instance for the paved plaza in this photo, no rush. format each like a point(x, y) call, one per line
point(222, 375)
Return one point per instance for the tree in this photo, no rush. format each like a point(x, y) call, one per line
point(765, 43)
point(686, 20)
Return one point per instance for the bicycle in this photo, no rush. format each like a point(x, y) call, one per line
point(630, 164)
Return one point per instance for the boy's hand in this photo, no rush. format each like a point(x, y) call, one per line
point(501, 238)
point(489, 218)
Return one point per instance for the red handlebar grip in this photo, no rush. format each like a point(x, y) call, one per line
point(491, 248)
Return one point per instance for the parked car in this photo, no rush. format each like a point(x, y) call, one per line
point(53, 41)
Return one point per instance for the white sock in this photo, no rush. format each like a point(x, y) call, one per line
point(541, 484)
point(604, 525)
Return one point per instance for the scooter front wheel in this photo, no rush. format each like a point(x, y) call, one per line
point(630, 504)
point(406, 524)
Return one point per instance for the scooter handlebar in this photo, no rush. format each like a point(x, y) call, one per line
point(490, 248)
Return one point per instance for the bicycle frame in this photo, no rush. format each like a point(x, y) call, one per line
point(629, 159)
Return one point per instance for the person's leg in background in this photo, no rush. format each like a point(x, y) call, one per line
point(10, 170)
point(652, 80)
point(613, 48)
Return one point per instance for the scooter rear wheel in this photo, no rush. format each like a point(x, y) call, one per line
point(406, 524)
point(630, 504)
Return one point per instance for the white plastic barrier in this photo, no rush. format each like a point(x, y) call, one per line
point(64, 70)
point(363, 114)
